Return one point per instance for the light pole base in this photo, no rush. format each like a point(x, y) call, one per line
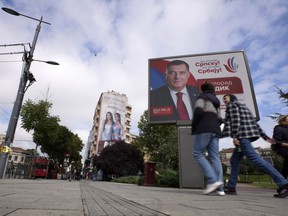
point(3, 164)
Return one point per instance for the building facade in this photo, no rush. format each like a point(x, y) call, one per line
point(2, 139)
point(111, 123)
point(18, 156)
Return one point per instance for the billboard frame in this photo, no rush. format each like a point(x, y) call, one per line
point(248, 90)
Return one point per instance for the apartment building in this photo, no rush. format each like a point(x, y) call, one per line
point(19, 155)
point(111, 122)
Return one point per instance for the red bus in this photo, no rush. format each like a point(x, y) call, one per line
point(40, 167)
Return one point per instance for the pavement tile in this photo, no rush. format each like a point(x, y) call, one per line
point(85, 197)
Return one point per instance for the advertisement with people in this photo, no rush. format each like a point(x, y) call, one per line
point(112, 120)
point(174, 83)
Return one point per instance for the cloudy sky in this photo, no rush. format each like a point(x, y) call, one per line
point(104, 45)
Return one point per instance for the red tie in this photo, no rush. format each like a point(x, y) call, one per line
point(182, 110)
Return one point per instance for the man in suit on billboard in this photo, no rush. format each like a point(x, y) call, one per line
point(175, 100)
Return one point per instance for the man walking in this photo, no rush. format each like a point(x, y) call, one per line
point(241, 125)
point(206, 128)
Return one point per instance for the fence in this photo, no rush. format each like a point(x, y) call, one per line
point(20, 170)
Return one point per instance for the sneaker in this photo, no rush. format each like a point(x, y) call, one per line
point(212, 187)
point(283, 192)
point(230, 191)
point(220, 193)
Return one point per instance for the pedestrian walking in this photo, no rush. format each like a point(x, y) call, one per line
point(206, 129)
point(280, 135)
point(241, 125)
point(69, 172)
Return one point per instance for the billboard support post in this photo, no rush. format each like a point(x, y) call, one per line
point(190, 173)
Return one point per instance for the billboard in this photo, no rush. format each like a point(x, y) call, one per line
point(111, 120)
point(227, 71)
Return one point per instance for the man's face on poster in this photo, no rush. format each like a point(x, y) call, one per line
point(177, 77)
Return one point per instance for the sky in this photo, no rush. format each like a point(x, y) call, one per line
point(104, 45)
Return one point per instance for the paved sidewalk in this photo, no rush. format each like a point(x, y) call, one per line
point(25, 197)
point(58, 197)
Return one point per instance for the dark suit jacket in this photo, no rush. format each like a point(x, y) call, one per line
point(161, 98)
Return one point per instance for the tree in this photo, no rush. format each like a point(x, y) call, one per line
point(36, 118)
point(64, 142)
point(158, 142)
point(53, 139)
point(284, 98)
point(120, 159)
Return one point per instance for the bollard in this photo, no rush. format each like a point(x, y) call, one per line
point(149, 173)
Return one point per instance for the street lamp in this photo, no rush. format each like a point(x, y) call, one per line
point(15, 13)
point(26, 76)
point(47, 62)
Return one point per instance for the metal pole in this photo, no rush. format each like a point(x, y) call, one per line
point(27, 58)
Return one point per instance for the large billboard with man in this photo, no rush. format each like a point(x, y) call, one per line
point(174, 83)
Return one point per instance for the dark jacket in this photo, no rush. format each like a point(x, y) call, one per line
point(161, 97)
point(280, 134)
point(206, 115)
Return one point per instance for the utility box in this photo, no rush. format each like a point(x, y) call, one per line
point(191, 175)
point(149, 173)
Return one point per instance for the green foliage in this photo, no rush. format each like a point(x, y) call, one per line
point(140, 180)
point(278, 161)
point(53, 139)
point(256, 178)
point(269, 185)
point(158, 142)
point(35, 115)
point(247, 167)
point(168, 178)
point(64, 141)
point(284, 98)
point(120, 159)
point(165, 178)
point(127, 179)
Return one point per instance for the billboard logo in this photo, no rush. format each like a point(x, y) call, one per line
point(231, 65)
point(161, 111)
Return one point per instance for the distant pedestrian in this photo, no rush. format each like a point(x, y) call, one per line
point(94, 177)
point(241, 125)
point(69, 172)
point(100, 175)
point(206, 129)
point(78, 174)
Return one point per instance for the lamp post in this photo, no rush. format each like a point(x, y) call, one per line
point(26, 76)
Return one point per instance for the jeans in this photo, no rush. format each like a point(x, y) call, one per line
point(284, 170)
point(248, 150)
point(212, 170)
point(284, 153)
